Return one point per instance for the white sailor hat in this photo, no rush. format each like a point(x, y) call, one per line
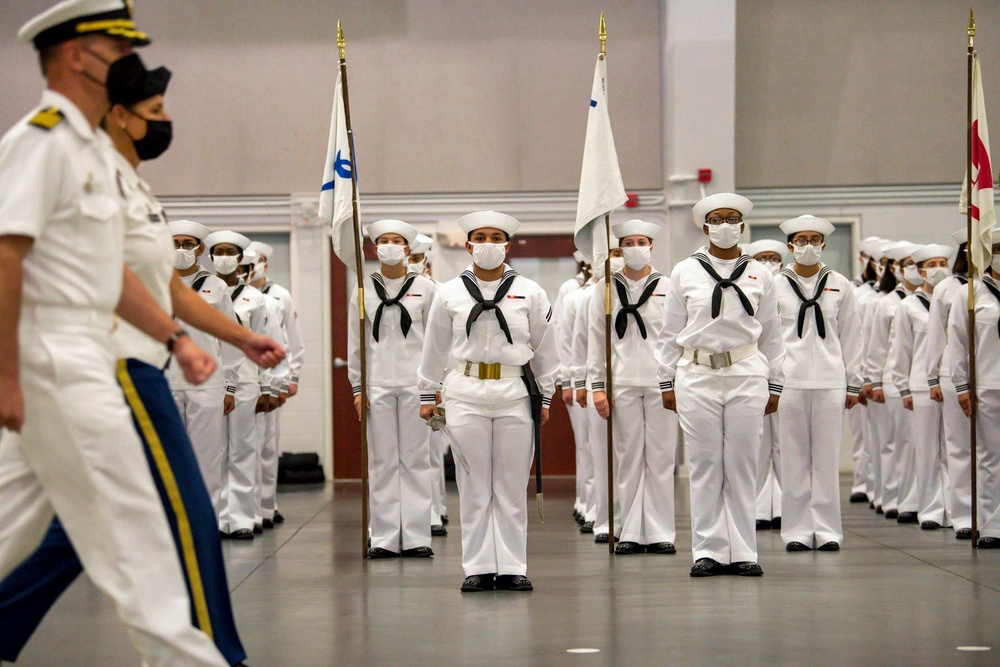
point(900, 250)
point(189, 228)
point(578, 256)
point(238, 240)
point(473, 221)
point(866, 244)
point(806, 223)
point(765, 245)
point(932, 250)
point(250, 257)
point(636, 228)
point(404, 229)
point(717, 201)
point(960, 235)
point(421, 245)
point(74, 18)
point(877, 247)
point(261, 249)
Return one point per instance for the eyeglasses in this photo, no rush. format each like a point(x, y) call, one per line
point(732, 220)
point(802, 243)
point(186, 245)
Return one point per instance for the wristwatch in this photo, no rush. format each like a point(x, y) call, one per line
point(174, 337)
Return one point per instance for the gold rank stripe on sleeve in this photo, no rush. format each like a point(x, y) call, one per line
point(47, 118)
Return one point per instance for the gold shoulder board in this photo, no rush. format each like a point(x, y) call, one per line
point(47, 118)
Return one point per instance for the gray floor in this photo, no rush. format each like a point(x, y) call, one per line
point(894, 596)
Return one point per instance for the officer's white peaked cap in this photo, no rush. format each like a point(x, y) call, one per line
point(262, 249)
point(74, 18)
point(636, 228)
point(238, 240)
point(765, 245)
point(900, 250)
point(806, 223)
point(932, 250)
point(480, 219)
point(404, 229)
point(717, 201)
point(189, 228)
point(421, 245)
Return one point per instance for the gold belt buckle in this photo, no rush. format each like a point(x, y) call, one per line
point(489, 371)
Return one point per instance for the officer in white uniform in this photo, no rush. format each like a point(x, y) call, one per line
point(822, 336)
point(645, 435)
point(494, 323)
point(69, 447)
point(942, 390)
point(239, 518)
point(397, 303)
point(909, 374)
point(720, 357)
point(771, 254)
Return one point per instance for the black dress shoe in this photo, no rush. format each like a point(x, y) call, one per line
point(829, 546)
point(797, 546)
point(859, 497)
point(418, 552)
point(241, 534)
point(989, 543)
point(871, 505)
point(746, 569)
point(444, 519)
point(661, 548)
point(258, 528)
point(223, 536)
point(763, 524)
point(513, 582)
point(929, 525)
point(963, 534)
point(707, 567)
point(379, 552)
point(907, 517)
point(439, 531)
point(278, 517)
point(776, 523)
point(587, 527)
point(892, 514)
point(268, 524)
point(601, 538)
point(628, 548)
point(478, 582)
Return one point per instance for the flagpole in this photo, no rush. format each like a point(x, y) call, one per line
point(971, 32)
point(359, 272)
point(602, 35)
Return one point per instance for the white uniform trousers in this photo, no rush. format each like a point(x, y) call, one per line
point(988, 460)
point(584, 459)
point(858, 422)
point(399, 469)
point(878, 419)
point(79, 456)
point(645, 453)
point(723, 420)
point(267, 483)
point(887, 423)
point(812, 422)
point(598, 435)
point(498, 442)
point(957, 440)
point(769, 471)
point(931, 461)
point(438, 445)
point(906, 460)
point(201, 412)
point(239, 494)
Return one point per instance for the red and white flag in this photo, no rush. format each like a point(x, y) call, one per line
point(984, 215)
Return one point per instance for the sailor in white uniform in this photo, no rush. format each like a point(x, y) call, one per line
point(496, 325)
point(822, 336)
point(720, 368)
point(645, 435)
point(771, 254)
point(942, 390)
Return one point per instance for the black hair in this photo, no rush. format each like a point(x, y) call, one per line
point(961, 265)
point(888, 282)
point(792, 236)
point(468, 237)
point(869, 274)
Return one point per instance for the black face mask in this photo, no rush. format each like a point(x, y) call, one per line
point(126, 82)
point(159, 134)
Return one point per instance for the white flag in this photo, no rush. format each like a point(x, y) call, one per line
point(601, 187)
point(984, 215)
point(336, 195)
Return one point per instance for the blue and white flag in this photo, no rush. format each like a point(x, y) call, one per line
point(601, 186)
point(336, 195)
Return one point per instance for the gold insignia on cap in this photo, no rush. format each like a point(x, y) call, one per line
point(47, 118)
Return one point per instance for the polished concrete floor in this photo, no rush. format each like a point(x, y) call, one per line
point(895, 595)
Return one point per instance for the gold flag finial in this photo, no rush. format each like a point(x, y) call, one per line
point(971, 31)
point(341, 44)
point(602, 34)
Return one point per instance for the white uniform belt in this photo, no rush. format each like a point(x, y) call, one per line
point(63, 316)
point(720, 359)
point(493, 371)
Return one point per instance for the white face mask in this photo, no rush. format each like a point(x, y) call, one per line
point(896, 271)
point(724, 236)
point(936, 275)
point(259, 270)
point(488, 256)
point(911, 274)
point(807, 255)
point(636, 257)
point(225, 265)
point(418, 267)
point(773, 267)
point(617, 264)
point(879, 271)
point(184, 259)
point(390, 254)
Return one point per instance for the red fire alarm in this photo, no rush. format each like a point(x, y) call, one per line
point(704, 175)
point(632, 201)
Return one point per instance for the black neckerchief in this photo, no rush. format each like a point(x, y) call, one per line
point(824, 275)
point(621, 319)
point(995, 291)
point(469, 278)
point(962, 279)
point(199, 280)
point(723, 283)
point(404, 315)
point(900, 292)
point(924, 301)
